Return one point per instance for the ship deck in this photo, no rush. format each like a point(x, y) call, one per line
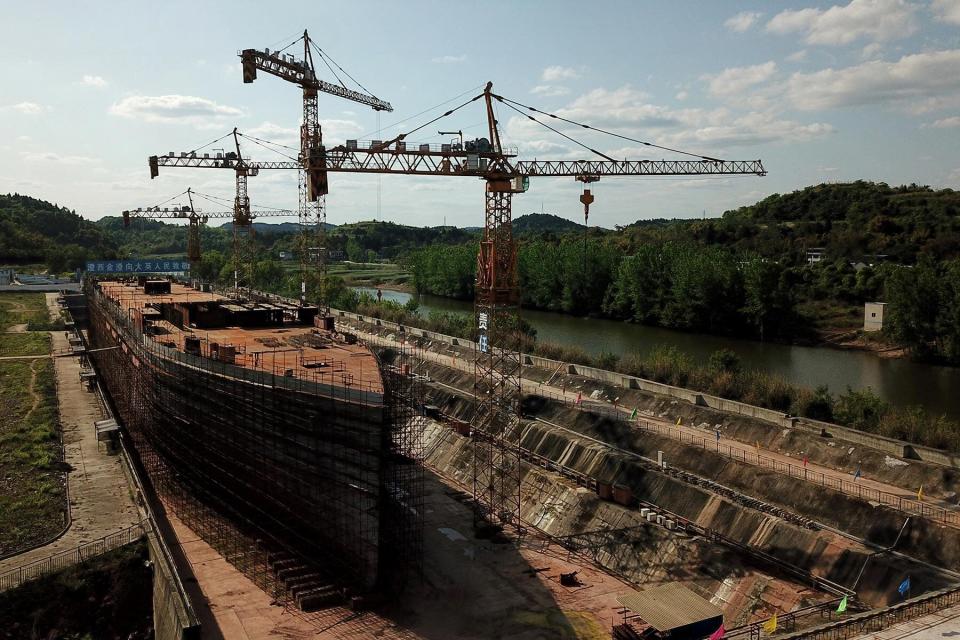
point(293, 349)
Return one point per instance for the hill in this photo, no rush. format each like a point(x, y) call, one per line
point(537, 223)
point(850, 220)
point(36, 231)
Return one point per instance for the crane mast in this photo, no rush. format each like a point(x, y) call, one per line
point(243, 253)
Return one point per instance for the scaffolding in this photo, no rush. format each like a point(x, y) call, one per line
point(310, 484)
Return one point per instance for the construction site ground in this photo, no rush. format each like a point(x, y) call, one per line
point(100, 500)
point(471, 588)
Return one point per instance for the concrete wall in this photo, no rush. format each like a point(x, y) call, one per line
point(171, 620)
point(888, 445)
point(873, 316)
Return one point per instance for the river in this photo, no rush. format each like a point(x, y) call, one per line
point(898, 381)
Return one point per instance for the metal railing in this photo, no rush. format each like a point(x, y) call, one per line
point(63, 559)
point(754, 457)
point(880, 619)
point(787, 620)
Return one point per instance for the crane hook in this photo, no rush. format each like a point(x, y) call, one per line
point(587, 199)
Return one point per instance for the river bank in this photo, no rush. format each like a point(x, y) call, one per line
point(899, 381)
point(844, 339)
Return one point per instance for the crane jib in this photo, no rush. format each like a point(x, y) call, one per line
point(299, 72)
point(467, 165)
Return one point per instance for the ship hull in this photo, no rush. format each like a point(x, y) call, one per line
point(301, 468)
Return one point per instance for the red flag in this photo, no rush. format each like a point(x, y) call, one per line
point(805, 460)
point(718, 634)
point(579, 397)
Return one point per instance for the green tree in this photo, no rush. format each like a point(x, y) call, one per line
point(914, 298)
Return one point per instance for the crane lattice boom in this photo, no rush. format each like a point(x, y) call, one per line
point(480, 165)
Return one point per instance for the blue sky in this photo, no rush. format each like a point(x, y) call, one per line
point(821, 92)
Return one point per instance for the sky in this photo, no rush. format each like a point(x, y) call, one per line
point(820, 92)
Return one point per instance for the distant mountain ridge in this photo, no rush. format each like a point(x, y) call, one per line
point(33, 230)
point(532, 223)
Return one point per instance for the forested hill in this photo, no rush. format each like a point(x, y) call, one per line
point(535, 223)
point(850, 220)
point(36, 231)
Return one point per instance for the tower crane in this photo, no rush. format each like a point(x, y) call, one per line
point(242, 215)
point(195, 218)
point(313, 177)
point(497, 363)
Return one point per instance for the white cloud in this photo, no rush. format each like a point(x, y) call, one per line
point(552, 74)
point(621, 106)
point(450, 59)
point(681, 96)
point(945, 123)
point(534, 147)
point(199, 112)
point(337, 131)
point(549, 90)
point(915, 79)
point(627, 112)
point(24, 138)
point(868, 19)
point(751, 129)
point(742, 21)
point(871, 51)
point(736, 80)
point(274, 133)
point(50, 156)
point(797, 56)
point(94, 81)
point(27, 108)
point(947, 10)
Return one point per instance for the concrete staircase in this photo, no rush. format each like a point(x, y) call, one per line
point(308, 588)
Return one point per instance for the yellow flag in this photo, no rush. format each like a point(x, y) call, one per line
point(770, 625)
point(920, 493)
point(678, 420)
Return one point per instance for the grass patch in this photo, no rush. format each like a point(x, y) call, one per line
point(23, 308)
point(32, 496)
point(24, 344)
point(365, 274)
point(109, 596)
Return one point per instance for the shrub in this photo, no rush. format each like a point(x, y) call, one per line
point(607, 360)
point(816, 405)
point(860, 409)
point(725, 360)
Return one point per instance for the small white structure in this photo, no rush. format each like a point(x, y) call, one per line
point(873, 316)
point(815, 254)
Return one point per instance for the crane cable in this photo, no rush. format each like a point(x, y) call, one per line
point(324, 55)
point(263, 143)
point(182, 193)
point(225, 202)
point(427, 124)
point(560, 133)
point(417, 115)
point(609, 133)
point(229, 133)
